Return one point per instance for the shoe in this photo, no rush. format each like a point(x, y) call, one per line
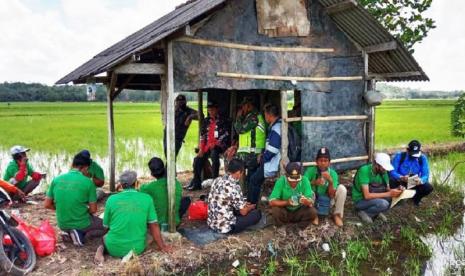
point(194, 188)
point(338, 220)
point(77, 237)
point(190, 185)
point(65, 237)
point(364, 217)
point(316, 221)
point(382, 217)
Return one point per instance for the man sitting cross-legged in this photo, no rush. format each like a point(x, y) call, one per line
point(292, 198)
point(127, 215)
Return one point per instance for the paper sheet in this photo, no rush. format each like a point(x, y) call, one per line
point(404, 195)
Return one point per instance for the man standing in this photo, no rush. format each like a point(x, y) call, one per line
point(412, 163)
point(325, 184)
point(183, 118)
point(250, 126)
point(73, 196)
point(292, 198)
point(19, 169)
point(371, 193)
point(127, 215)
point(270, 159)
point(227, 210)
point(215, 139)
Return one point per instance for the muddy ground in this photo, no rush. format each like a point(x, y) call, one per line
point(252, 247)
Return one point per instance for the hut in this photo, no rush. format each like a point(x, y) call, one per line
point(329, 53)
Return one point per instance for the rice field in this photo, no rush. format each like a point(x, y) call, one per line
point(56, 131)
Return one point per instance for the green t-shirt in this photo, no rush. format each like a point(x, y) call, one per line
point(96, 171)
point(127, 215)
point(283, 191)
point(11, 171)
point(71, 193)
point(158, 190)
point(312, 174)
point(365, 176)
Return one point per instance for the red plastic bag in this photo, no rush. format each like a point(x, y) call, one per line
point(42, 238)
point(198, 210)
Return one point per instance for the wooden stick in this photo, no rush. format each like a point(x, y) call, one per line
point(284, 130)
point(245, 47)
point(340, 160)
point(327, 119)
point(287, 78)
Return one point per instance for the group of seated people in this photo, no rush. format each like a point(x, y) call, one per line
point(300, 196)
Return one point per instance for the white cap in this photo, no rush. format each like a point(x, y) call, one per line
point(384, 161)
point(18, 149)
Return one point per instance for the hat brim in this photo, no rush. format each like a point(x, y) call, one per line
point(388, 167)
point(294, 179)
point(415, 154)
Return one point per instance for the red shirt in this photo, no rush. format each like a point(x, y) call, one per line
point(211, 139)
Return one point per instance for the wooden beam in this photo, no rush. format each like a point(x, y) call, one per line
point(111, 131)
point(388, 46)
point(394, 75)
point(284, 130)
point(341, 7)
point(340, 160)
point(327, 118)
point(286, 78)
point(141, 69)
point(170, 137)
point(247, 47)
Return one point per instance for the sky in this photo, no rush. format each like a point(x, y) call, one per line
point(43, 40)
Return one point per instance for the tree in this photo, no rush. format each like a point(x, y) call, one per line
point(403, 18)
point(458, 118)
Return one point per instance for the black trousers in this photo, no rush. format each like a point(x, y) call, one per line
point(177, 144)
point(185, 203)
point(243, 222)
point(421, 190)
point(254, 184)
point(199, 163)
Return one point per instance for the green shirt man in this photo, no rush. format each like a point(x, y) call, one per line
point(283, 191)
point(158, 191)
point(366, 175)
point(127, 215)
point(71, 194)
point(312, 174)
point(13, 168)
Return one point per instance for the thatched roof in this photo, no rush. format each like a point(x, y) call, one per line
point(356, 23)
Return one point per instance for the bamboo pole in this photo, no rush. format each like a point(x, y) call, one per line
point(284, 130)
point(200, 111)
point(327, 119)
point(111, 131)
point(170, 148)
point(286, 78)
point(246, 47)
point(340, 160)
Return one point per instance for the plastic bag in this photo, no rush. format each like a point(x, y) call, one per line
point(198, 210)
point(42, 238)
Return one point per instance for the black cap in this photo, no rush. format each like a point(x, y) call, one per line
point(414, 147)
point(85, 153)
point(323, 152)
point(181, 97)
point(294, 171)
point(212, 104)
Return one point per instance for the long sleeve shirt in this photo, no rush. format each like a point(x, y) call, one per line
point(272, 154)
point(410, 166)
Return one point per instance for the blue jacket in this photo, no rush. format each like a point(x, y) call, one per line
point(272, 154)
point(411, 165)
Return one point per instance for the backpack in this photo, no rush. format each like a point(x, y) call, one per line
point(294, 150)
point(403, 156)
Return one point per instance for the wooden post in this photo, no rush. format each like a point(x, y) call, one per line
point(372, 124)
point(163, 97)
point(111, 131)
point(170, 150)
point(200, 111)
point(284, 130)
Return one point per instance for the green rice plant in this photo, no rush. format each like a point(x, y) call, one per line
point(412, 266)
point(392, 257)
point(295, 264)
point(386, 241)
point(414, 241)
point(242, 271)
point(357, 252)
point(271, 267)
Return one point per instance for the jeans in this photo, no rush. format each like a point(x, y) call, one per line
point(199, 163)
point(254, 184)
point(373, 207)
point(243, 222)
point(421, 190)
